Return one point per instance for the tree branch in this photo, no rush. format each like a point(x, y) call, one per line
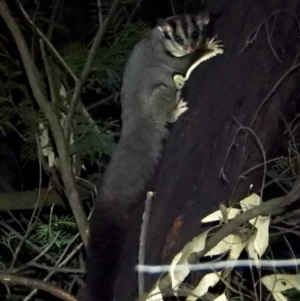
point(58, 135)
point(272, 207)
point(49, 44)
point(37, 284)
point(79, 84)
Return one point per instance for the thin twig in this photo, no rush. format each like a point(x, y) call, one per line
point(48, 73)
point(172, 7)
point(38, 284)
point(100, 15)
point(66, 250)
point(263, 153)
point(272, 207)
point(56, 269)
point(34, 216)
point(28, 242)
point(271, 92)
point(61, 143)
point(52, 18)
point(245, 173)
point(101, 102)
point(143, 236)
point(49, 44)
point(275, 87)
point(288, 129)
point(44, 251)
point(269, 36)
point(59, 264)
point(98, 39)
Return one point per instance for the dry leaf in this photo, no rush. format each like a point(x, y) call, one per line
point(281, 282)
point(249, 202)
point(250, 247)
point(224, 245)
point(261, 240)
point(279, 297)
point(196, 245)
point(221, 298)
point(217, 215)
point(237, 247)
point(155, 294)
point(209, 280)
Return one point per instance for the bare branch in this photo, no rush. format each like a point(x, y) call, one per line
point(295, 66)
point(28, 242)
point(98, 39)
point(274, 206)
point(49, 44)
point(38, 284)
point(48, 72)
point(100, 15)
point(60, 141)
point(143, 239)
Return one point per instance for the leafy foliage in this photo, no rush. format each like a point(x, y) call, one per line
point(63, 227)
point(23, 239)
point(53, 233)
point(91, 141)
point(111, 58)
point(19, 113)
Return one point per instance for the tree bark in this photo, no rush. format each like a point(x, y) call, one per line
point(231, 98)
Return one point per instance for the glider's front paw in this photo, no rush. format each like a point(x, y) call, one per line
point(214, 45)
point(179, 110)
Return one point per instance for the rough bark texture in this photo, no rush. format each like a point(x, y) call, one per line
point(227, 88)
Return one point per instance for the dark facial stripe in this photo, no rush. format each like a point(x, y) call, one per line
point(167, 36)
point(184, 24)
point(196, 27)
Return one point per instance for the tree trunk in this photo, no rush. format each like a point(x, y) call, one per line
point(224, 94)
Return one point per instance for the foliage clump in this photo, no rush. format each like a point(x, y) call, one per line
point(60, 132)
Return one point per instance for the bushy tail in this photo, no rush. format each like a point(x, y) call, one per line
point(124, 181)
point(108, 229)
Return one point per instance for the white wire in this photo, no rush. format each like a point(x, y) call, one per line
point(152, 269)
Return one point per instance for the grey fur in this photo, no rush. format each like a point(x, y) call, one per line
point(148, 103)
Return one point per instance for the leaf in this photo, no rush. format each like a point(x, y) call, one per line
point(209, 280)
point(231, 242)
point(249, 202)
point(155, 294)
point(250, 247)
point(261, 223)
point(261, 240)
point(279, 297)
point(281, 282)
point(221, 298)
point(196, 245)
point(237, 246)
